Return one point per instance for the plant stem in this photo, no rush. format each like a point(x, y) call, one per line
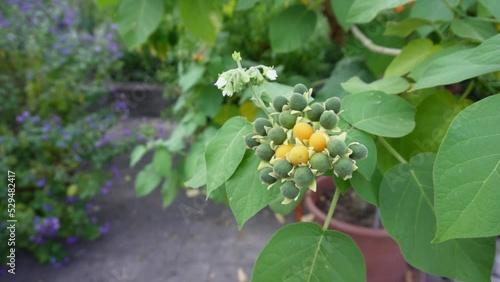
point(392, 150)
point(467, 90)
point(259, 103)
point(368, 43)
point(332, 208)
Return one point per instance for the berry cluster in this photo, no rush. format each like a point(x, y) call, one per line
point(301, 141)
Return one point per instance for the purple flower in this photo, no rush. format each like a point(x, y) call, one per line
point(113, 26)
point(105, 190)
point(11, 37)
point(45, 127)
point(35, 119)
point(47, 207)
point(89, 208)
point(1, 139)
point(105, 228)
point(46, 227)
point(55, 263)
point(66, 260)
point(71, 200)
point(20, 119)
point(126, 132)
point(72, 240)
point(36, 239)
point(41, 183)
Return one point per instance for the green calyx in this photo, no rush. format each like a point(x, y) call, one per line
point(264, 152)
point(282, 168)
point(289, 190)
point(277, 135)
point(328, 119)
point(287, 119)
point(251, 142)
point(298, 102)
point(266, 177)
point(337, 147)
point(260, 124)
point(303, 176)
point(279, 102)
point(359, 151)
point(344, 167)
point(315, 113)
point(333, 104)
point(320, 162)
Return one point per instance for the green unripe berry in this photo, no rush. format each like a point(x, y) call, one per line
point(282, 168)
point(303, 176)
point(251, 142)
point(333, 104)
point(279, 102)
point(315, 113)
point(287, 119)
point(264, 152)
point(359, 151)
point(297, 102)
point(300, 88)
point(260, 124)
point(277, 135)
point(344, 167)
point(336, 147)
point(320, 162)
point(265, 177)
point(328, 119)
point(289, 190)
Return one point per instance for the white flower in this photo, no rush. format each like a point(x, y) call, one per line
point(227, 92)
point(271, 74)
point(221, 82)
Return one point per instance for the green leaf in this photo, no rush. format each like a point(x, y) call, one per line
point(191, 76)
point(487, 53)
point(245, 191)
point(341, 184)
point(407, 213)
point(146, 181)
point(137, 19)
point(227, 111)
point(199, 178)
point(363, 11)
point(440, 12)
point(305, 252)
point(411, 56)
point(106, 3)
point(391, 85)
point(405, 27)
point(137, 154)
point(344, 69)
point(367, 188)
point(452, 68)
point(367, 165)
point(291, 28)
point(473, 29)
point(493, 6)
point(169, 190)
point(225, 152)
point(467, 174)
point(341, 10)
point(209, 99)
point(378, 113)
point(202, 18)
point(243, 5)
point(162, 162)
point(433, 117)
point(272, 88)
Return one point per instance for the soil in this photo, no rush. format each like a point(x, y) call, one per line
point(350, 208)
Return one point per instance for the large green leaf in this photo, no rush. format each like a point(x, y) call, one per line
point(467, 174)
point(487, 53)
point(440, 12)
point(363, 11)
point(367, 188)
point(405, 27)
point(473, 29)
point(378, 113)
point(137, 154)
point(344, 69)
point(106, 3)
point(291, 28)
point(137, 19)
point(411, 56)
point(433, 117)
point(169, 190)
point(451, 69)
point(146, 181)
point(391, 85)
point(225, 152)
point(367, 165)
point(245, 191)
point(341, 10)
point(162, 162)
point(407, 212)
point(202, 18)
point(493, 6)
point(305, 252)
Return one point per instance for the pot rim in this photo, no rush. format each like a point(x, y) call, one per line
point(351, 228)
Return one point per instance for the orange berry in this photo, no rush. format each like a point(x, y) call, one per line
point(318, 141)
point(298, 154)
point(399, 9)
point(302, 131)
point(283, 150)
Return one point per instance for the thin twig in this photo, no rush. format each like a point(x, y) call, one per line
point(368, 43)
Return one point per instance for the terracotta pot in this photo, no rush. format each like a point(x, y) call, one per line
point(384, 261)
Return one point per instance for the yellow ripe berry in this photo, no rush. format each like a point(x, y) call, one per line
point(302, 131)
point(318, 141)
point(298, 154)
point(283, 150)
